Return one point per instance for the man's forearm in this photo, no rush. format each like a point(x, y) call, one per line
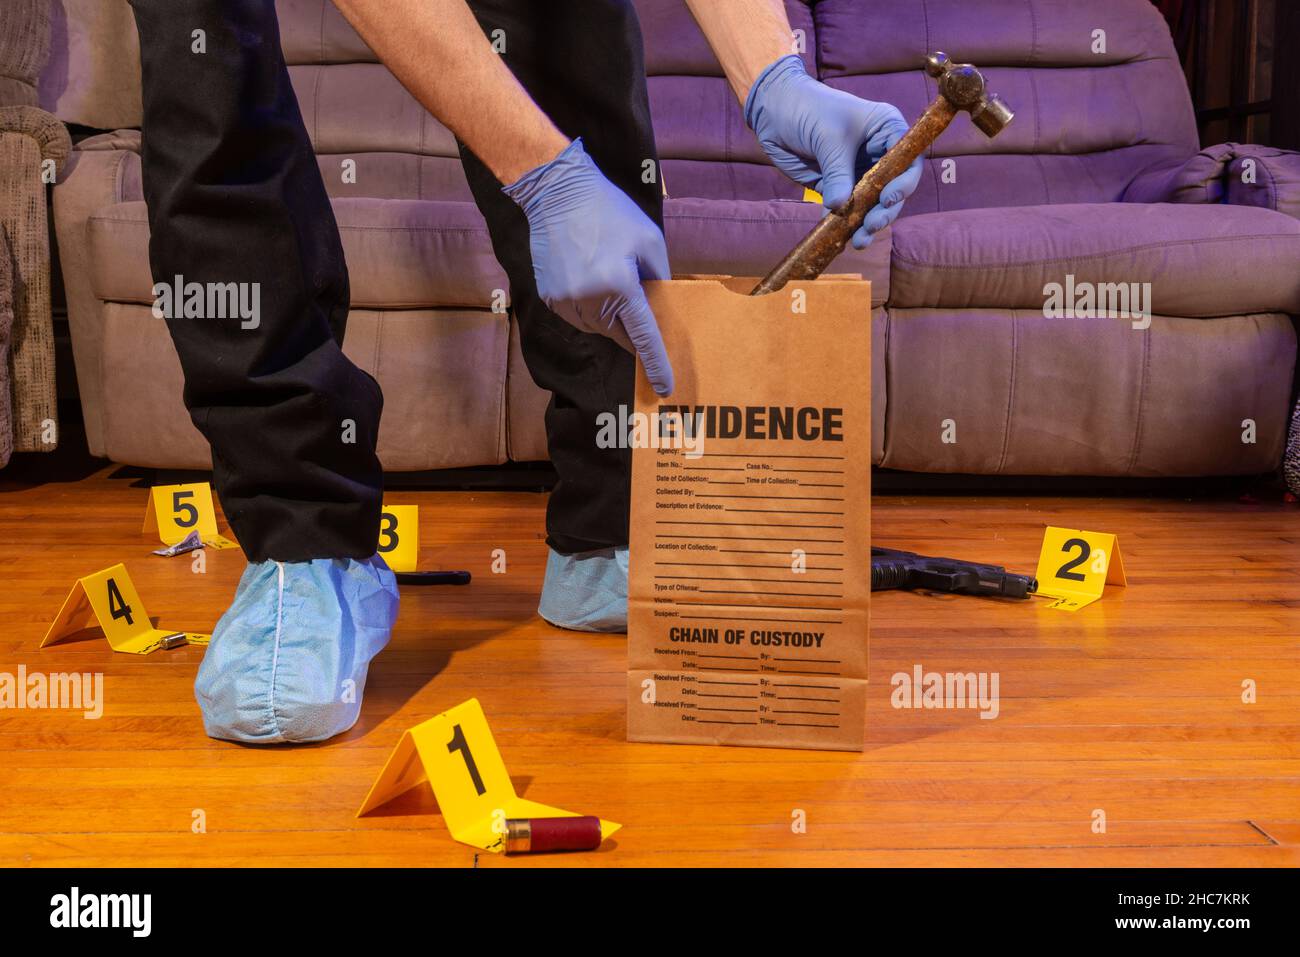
point(439, 53)
point(746, 36)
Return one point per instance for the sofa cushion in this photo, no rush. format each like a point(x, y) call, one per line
point(1199, 260)
point(361, 175)
point(1008, 392)
point(408, 254)
point(401, 254)
point(674, 44)
point(704, 146)
point(748, 238)
point(443, 373)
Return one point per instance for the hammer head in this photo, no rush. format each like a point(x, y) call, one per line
point(964, 88)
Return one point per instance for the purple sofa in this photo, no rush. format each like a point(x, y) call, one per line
point(1099, 182)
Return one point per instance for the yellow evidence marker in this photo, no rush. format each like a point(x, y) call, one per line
point(399, 536)
point(110, 598)
point(455, 753)
point(177, 510)
point(1074, 566)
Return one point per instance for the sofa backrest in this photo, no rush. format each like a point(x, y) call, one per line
point(1097, 88)
point(705, 149)
point(371, 137)
point(24, 48)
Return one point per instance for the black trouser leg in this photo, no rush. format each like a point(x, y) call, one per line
point(235, 196)
point(582, 62)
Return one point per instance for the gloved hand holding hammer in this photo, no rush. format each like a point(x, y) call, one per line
point(821, 137)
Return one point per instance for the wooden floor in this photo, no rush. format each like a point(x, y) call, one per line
point(1132, 707)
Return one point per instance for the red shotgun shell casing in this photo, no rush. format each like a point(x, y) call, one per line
point(533, 835)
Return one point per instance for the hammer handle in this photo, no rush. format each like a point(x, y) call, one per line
point(818, 249)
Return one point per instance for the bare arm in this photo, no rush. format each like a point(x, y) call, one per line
point(439, 53)
point(746, 36)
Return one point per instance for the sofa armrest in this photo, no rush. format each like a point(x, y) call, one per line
point(1265, 176)
point(1198, 179)
point(50, 135)
point(1241, 174)
point(102, 171)
point(128, 140)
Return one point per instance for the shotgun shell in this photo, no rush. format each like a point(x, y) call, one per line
point(533, 835)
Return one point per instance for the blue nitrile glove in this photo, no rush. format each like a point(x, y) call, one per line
point(826, 139)
point(288, 660)
point(591, 247)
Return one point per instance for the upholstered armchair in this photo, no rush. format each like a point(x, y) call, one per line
point(33, 148)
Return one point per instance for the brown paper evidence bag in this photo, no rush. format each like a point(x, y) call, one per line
point(750, 543)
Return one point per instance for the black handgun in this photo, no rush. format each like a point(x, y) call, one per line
point(891, 568)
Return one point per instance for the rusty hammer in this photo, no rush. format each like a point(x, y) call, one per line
point(961, 87)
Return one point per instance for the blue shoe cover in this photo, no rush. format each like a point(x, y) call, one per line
point(288, 660)
point(586, 591)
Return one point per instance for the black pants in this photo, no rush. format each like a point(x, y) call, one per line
point(235, 195)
